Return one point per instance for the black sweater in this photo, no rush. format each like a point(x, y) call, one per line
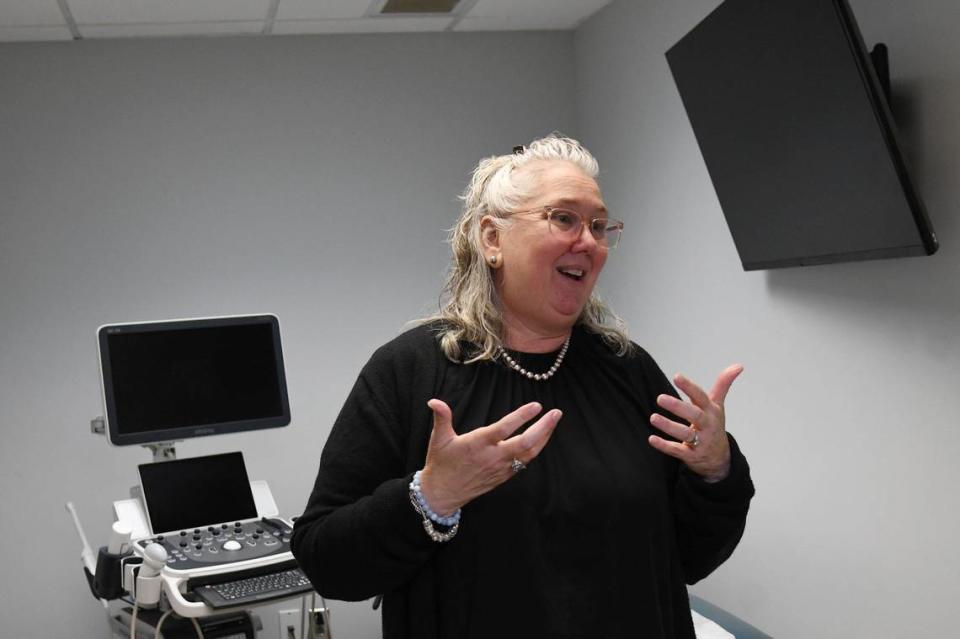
point(595, 539)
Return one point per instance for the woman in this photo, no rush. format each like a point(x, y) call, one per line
point(586, 523)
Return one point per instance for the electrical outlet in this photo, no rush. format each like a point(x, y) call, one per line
point(289, 621)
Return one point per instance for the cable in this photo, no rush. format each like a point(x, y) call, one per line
point(303, 616)
point(133, 622)
point(312, 619)
point(163, 617)
point(327, 632)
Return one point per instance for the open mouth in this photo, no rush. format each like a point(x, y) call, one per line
point(575, 274)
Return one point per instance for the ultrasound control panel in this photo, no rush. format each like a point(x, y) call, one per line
point(224, 543)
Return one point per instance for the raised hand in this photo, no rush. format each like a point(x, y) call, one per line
point(703, 445)
point(460, 468)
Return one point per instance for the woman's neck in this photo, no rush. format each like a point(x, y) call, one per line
point(521, 336)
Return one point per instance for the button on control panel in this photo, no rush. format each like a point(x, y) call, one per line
point(223, 543)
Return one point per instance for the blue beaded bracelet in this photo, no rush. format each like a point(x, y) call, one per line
point(452, 520)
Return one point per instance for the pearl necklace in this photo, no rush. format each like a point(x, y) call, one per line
point(540, 377)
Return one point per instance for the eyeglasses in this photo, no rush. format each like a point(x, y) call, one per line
point(568, 223)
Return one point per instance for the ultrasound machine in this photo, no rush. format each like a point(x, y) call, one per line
point(197, 546)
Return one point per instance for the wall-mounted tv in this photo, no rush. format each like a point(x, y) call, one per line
point(797, 135)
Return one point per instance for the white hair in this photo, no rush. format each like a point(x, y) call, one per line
point(470, 312)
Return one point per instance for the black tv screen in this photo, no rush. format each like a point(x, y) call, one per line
point(164, 381)
point(797, 135)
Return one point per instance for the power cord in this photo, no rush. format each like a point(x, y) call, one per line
point(303, 616)
point(163, 617)
point(327, 631)
point(133, 621)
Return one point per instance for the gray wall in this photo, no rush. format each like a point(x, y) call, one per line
point(847, 408)
point(311, 177)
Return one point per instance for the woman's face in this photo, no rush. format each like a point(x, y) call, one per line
point(532, 283)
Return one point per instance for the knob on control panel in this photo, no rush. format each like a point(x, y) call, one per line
point(232, 545)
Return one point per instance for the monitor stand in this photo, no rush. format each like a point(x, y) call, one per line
point(162, 451)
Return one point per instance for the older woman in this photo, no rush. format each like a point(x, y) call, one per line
point(495, 471)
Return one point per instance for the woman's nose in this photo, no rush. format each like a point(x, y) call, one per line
point(585, 239)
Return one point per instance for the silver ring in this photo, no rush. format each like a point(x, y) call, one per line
point(694, 441)
point(516, 466)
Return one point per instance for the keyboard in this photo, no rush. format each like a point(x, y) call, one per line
point(280, 582)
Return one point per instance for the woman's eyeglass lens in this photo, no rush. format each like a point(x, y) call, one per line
point(605, 231)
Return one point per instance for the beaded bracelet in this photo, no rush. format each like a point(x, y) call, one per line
point(422, 501)
point(429, 516)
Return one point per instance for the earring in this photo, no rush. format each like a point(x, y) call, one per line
point(493, 260)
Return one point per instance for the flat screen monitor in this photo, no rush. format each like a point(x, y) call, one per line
point(198, 491)
point(170, 380)
point(797, 135)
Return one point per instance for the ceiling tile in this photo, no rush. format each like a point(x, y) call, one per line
point(170, 29)
point(30, 13)
point(34, 34)
point(364, 25)
point(323, 10)
point(160, 11)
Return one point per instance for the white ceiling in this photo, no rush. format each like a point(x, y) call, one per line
point(35, 20)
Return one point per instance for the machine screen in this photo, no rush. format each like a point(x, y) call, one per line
point(183, 379)
point(195, 492)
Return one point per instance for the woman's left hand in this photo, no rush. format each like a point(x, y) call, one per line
point(703, 445)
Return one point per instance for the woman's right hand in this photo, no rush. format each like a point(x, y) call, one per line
point(460, 468)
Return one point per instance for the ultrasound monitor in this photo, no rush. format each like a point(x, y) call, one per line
point(170, 380)
point(194, 492)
